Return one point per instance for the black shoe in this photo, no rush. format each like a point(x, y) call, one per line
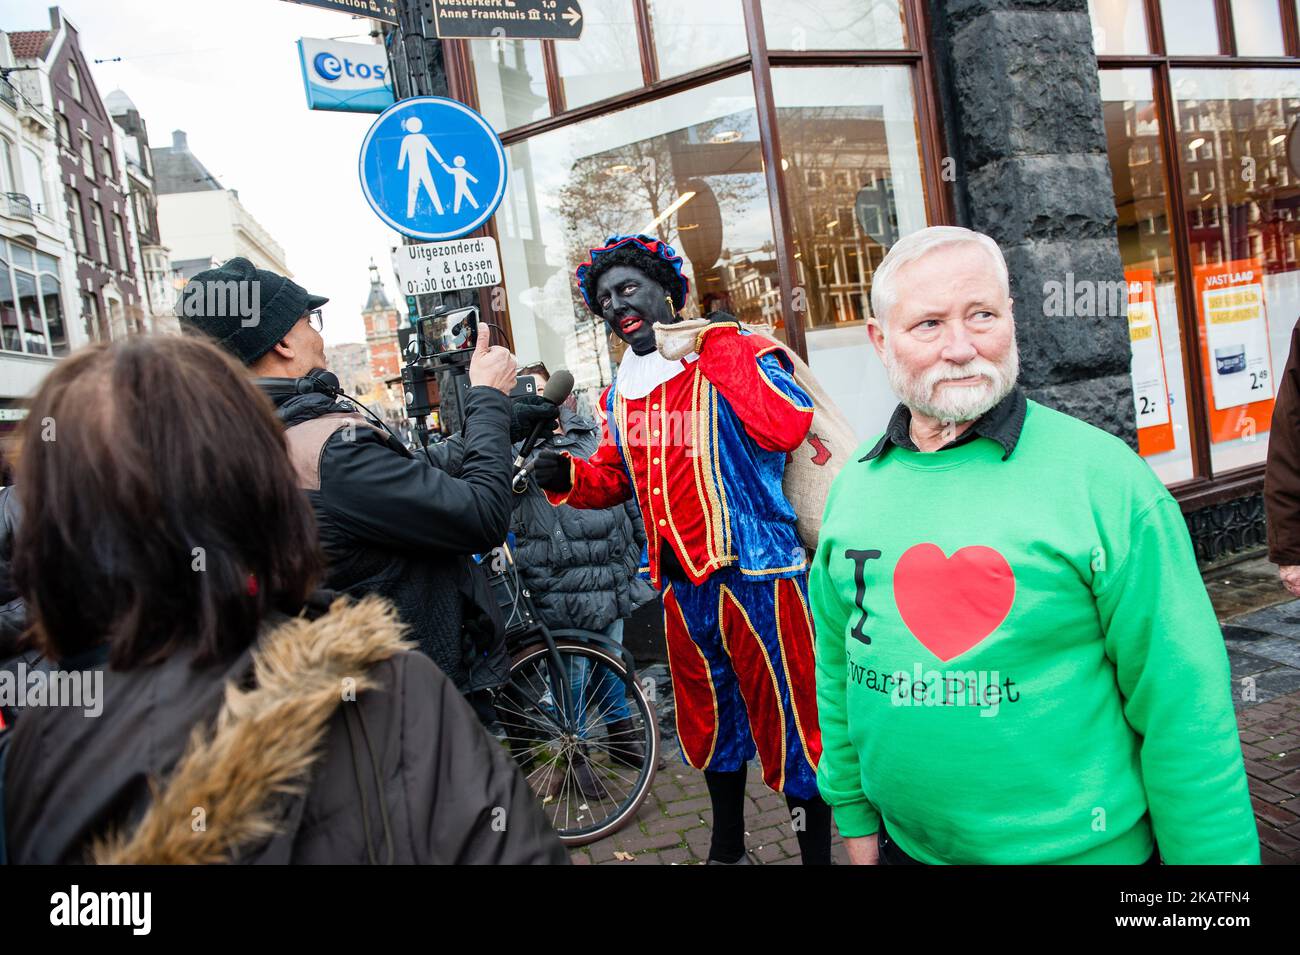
point(624, 743)
point(589, 784)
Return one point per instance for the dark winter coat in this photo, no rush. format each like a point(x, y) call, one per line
point(581, 566)
point(13, 611)
point(392, 525)
point(401, 772)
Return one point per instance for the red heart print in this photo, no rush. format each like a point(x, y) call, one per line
point(952, 603)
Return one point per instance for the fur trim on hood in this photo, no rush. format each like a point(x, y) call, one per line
point(265, 741)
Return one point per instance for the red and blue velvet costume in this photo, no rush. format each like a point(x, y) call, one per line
point(704, 453)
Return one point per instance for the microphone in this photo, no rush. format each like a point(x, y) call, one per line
point(557, 391)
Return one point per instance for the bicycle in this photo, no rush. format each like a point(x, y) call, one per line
point(566, 687)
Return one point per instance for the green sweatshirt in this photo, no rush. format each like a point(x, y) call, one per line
point(1017, 661)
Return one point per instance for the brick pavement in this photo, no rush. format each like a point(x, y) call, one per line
point(1262, 634)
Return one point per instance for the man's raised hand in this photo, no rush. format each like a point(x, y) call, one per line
point(492, 365)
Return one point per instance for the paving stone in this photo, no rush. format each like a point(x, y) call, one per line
point(640, 843)
point(1270, 685)
point(1281, 618)
point(1289, 783)
point(1266, 792)
point(1268, 857)
point(684, 806)
point(769, 853)
point(1246, 664)
point(679, 856)
point(1279, 649)
point(1279, 841)
point(1261, 770)
point(1277, 816)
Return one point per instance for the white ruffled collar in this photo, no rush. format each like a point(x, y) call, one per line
point(638, 375)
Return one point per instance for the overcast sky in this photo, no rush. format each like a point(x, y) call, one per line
point(226, 72)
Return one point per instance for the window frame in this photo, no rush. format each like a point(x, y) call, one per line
point(1206, 486)
point(758, 61)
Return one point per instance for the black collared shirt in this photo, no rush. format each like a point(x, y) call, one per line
point(1001, 423)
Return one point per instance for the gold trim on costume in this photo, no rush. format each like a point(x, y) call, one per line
point(708, 672)
point(785, 660)
point(768, 381)
point(724, 590)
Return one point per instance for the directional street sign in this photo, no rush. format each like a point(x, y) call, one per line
point(432, 168)
point(379, 9)
point(508, 19)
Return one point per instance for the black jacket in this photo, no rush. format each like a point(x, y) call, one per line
point(581, 566)
point(392, 525)
point(13, 611)
point(401, 772)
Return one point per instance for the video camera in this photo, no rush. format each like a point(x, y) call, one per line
point(436, 352)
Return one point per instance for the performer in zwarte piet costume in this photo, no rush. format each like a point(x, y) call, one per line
point(701, 443)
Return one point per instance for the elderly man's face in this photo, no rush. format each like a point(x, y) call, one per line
point(950, 350)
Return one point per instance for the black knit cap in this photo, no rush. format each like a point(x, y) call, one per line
point(246, 309)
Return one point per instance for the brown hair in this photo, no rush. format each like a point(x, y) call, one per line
point(159, 506)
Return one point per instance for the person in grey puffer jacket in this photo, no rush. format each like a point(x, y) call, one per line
point(580, 566)
point(582, 569)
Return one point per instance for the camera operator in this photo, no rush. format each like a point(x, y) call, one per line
point(389, 522)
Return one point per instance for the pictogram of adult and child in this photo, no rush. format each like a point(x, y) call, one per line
point(414, 157)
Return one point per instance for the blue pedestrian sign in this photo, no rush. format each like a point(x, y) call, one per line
point(432, 168)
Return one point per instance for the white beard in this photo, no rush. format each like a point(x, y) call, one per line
point(955, 405)
point(638, 375)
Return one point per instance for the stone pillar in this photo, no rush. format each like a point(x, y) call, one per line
point(1022, 110)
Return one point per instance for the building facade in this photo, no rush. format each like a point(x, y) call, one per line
point(39, 301)
point(381, 320)
point(154, 272)
point(200, 220)
point(1135, 159)
point(93, 187)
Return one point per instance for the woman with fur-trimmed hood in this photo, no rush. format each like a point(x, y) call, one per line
point(166, 554)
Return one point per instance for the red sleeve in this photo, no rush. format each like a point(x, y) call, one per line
point(602, 480)
point(772, 407)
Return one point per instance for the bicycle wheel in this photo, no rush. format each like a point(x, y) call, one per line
point(592, 767)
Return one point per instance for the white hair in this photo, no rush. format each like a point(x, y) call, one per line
point(917, 245)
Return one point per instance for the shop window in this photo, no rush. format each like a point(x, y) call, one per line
point(510, 80)
point(1118, 27)
point(862, 120)
point(690, 35)
point(833, 24)
point(698, 184)
point(10, 336)
point(52, 303)
point(1247, 279)
point(607, 61)
point(1190, 27)
point(1160, 393)
point(1257, 25)
point(29, 314)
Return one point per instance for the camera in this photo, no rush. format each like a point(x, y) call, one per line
point(435, 374)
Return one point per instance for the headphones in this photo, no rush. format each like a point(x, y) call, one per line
point(318, 381)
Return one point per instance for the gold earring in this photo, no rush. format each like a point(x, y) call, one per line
point(671, 309)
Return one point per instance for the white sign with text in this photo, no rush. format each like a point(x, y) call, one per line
point(426, 267)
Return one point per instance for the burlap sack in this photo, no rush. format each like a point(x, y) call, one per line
point(812, 467)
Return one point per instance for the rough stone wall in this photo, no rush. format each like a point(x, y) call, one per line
point(1022, 109)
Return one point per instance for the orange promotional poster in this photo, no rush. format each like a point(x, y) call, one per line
point(1155, 429)
point(1234, 348)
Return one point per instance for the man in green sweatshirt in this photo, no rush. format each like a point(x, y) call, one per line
point(1017, 661)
